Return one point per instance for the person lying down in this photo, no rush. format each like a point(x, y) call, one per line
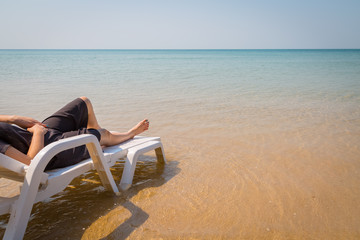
point(24, 141)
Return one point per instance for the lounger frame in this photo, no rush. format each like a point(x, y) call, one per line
point(39, 185)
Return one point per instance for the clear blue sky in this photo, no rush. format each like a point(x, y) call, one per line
point(181, 24)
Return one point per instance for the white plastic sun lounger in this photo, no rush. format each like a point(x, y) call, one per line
point(39, 185)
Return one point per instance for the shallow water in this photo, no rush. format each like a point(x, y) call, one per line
point(260, 143)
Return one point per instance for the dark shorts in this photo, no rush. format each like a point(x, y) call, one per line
point(71, 117)
point(69, 121)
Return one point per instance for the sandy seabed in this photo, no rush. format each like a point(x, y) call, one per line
point(284, 175)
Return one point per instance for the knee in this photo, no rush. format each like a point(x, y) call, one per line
point(85, 99)
point(88, 102)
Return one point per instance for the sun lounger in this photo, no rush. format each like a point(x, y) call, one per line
point(39, 185)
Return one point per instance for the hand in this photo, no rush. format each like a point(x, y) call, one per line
point(37, 128)
point(26, 122)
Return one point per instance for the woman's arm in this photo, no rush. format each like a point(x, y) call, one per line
point(17, 155)
point(21, 121)
point(37, 143)
point(7, 118)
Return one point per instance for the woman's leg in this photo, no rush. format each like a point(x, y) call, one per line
point(112, 138)
point(92, 121)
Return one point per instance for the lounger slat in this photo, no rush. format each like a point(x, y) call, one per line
point(11, 165)
point(6, 203)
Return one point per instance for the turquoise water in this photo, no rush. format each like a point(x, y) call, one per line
point(177, 78)
point(155, 82)
point(334, 72)
point(270, 134)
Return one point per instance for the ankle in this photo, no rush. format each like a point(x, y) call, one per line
point(131, 133)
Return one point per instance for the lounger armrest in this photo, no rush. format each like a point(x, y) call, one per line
point(40, 161)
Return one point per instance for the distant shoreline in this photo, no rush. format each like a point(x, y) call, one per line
point(174, 49)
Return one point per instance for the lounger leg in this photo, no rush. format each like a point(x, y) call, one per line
point(101, 167)
point(160, 155)
point(21, 210)
point(129, 169)
point(132, 157)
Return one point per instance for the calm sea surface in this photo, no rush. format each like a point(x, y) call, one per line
point(260, 143)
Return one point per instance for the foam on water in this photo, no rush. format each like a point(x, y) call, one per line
point(261, 143)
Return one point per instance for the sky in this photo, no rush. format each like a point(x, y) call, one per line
point(181, 24)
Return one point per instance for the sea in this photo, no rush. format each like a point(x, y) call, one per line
point(260, 144)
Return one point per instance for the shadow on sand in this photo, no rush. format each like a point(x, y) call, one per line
point(68, 214)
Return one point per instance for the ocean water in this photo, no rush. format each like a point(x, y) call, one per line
point(260, 143)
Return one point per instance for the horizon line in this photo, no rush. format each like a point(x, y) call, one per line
point(180, 49)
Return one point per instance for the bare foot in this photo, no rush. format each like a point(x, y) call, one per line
point(140, 127)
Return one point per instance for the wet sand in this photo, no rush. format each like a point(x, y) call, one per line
point(229, 178)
